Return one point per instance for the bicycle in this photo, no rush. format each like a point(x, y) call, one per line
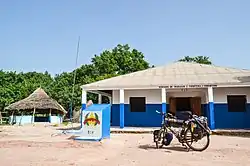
point(192, 129)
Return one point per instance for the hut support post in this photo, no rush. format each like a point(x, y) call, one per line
point(99, 99)
point(12, 118)
point(1, 118)
point(110, 100)
point(20, 121)
point(50, 115)
point(33, 116)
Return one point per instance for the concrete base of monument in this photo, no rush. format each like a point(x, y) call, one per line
point(86, 139)
point(72, 131)
point(79, 136)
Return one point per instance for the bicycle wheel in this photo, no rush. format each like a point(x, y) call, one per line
point(159, 142)
point(190, 138)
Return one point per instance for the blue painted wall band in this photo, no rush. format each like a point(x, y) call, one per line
point(221, 117)
point(83, 108)
point(211, 115)
point(164, 107)
point(122, 115)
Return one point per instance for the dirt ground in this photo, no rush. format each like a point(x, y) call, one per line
point(34, 146)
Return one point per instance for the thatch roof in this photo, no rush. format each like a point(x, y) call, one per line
point(38, 100)
point(178, 73)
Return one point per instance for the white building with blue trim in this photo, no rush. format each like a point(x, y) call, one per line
point(222, 94)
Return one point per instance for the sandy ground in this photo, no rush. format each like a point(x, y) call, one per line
point(34, 145)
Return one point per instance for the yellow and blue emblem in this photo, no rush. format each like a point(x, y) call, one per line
point(91, 119)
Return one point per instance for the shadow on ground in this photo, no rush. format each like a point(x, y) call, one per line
point(169, 148)
point(234, 133)
point(69, 128)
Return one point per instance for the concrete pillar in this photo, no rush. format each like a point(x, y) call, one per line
point(121, 108)
point(163, 100)
point(84, 101)
point(99, 99)
point(211, 108)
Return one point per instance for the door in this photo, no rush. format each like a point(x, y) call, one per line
point(172, 105)
point(196, 105)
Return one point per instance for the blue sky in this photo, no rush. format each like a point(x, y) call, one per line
point(42, 35)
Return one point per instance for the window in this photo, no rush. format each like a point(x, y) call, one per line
point(137, 104)
point(236, 103)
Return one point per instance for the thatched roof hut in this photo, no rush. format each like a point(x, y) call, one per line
point(38, 100)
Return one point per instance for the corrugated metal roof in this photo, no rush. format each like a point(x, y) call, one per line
point(178, 73)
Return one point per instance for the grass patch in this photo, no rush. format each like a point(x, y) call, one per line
point(65, 123)
point(55, 125)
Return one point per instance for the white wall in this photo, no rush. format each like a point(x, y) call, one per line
point(220, 94)
point(153, 96)
point(189, 93)
point(56, 119)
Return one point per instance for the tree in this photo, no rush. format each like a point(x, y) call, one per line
point(16, 86)
point(120, 60)
point(110, 63)
point(197, 59)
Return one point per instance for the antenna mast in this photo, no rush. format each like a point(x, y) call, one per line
point(74, 80)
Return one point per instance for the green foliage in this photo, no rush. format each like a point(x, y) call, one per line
point(16, 86)
point(197, 59)
point(110, 63)
point(120, 60)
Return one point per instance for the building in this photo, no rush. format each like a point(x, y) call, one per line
point(37, 107)
point(222, 94)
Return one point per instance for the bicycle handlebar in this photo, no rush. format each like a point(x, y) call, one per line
point(158, 112)
point(171, 115)
point(162, 113)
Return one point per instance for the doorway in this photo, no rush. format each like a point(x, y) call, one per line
point(183, 104)
point(192, 104)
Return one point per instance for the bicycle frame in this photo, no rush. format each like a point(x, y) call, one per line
point(184, 126)
point(165, 126)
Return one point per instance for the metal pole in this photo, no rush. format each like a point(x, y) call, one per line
point(74, 80)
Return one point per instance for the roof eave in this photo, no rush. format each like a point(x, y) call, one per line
point(92, 88)
point(233, 86)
